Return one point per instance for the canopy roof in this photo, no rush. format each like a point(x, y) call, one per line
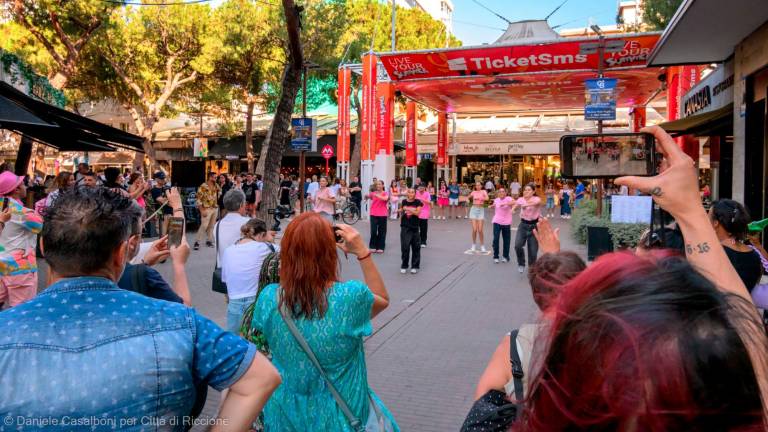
point(515, 77)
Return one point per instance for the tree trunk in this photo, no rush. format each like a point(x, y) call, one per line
point(354, 159)
point(59, 80)
point(249, 135)
point(23, 156)
point(274, 144)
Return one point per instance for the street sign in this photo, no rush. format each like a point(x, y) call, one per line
point(611, 46)
point(600, 96)
point(304, 136)
point(327, 151)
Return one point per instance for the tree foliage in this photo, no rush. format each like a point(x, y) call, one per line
point(658, 13)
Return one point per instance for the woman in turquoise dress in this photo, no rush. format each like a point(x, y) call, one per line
point(333, 317)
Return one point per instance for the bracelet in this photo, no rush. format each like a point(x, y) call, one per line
point(368, 255)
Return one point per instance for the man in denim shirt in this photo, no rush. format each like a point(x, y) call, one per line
point(87, 355)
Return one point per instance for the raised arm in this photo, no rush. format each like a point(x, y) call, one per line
point(353, 243)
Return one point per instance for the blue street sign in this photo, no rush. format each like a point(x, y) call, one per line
point(304, 134)
point(600, 97)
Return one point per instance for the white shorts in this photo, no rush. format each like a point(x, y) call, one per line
point(477, 213)
point(453, 201)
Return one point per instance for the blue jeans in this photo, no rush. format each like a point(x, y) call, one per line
point(235, 310)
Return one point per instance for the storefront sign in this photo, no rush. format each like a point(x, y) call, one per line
point(304, 137)
point(342, 138)
point(600, 99)
point(385, 117)
point(713, 92)
point(200, 147)
point(492, 60)
point(519, 148)
point(410, 134)
point(368, 122)
point(442, 138)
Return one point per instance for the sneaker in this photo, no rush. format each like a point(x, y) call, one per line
point(495, 260)
point(482, 249)
point(423, 245)
point(472, 249)
point(209, 244)
point(414, 271)
point(196, 246)
point(504, 260)
point(521, 269)
point(403, 271)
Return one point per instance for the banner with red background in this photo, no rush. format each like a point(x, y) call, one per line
point(442, 138)
point(385, 118)
point(368, 122)
point(342, 138)
point(410, 134)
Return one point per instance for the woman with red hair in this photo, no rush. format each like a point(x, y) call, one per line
point(332, 317)
point(654, 343)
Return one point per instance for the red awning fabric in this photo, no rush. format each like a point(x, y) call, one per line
point(502, 78)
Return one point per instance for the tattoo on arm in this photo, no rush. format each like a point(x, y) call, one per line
point(700, 248)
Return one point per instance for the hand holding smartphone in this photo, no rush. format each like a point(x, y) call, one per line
point(175, 231)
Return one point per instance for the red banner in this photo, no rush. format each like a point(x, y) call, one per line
point(493, 60)
point(342, 130)
point(638, 118)
point(442, 138)
point(385, 117)
point(680, 79)
point(410, 134)
point(368, 122)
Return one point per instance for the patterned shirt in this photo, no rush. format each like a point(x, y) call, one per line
point(207, 196)
point(19, 238)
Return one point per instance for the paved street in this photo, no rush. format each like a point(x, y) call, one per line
point(430, 346)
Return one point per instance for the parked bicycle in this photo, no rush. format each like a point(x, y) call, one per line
point(349, 213)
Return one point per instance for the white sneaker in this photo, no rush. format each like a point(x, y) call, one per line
point(482, 249)
point(414, 271)
point(495, 260)
point(472, 249)
point(521, 269)
point(402, 271)
point(504, 260)
point(423, 246)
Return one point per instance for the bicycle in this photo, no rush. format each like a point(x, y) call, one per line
point(349, 213)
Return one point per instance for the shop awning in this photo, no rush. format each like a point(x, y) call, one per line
point(707, 31)
point(716, 122)
point(59, 128)
point(519, 77)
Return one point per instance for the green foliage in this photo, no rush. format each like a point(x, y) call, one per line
point(622, 235)
point(658, 13)
point(22, 72)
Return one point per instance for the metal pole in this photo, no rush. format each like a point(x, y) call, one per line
point(302, 177)
point(393, 25)
point(600, 60)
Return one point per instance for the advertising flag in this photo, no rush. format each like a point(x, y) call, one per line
point(342, 139)
point(442, 138)
point(410, 134)
point(368, 122)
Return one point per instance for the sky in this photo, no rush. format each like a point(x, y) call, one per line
point(474, 25)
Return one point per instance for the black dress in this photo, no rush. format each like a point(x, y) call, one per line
point(747, 265)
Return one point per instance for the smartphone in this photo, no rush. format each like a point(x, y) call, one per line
point(607, 155)
point(175, 231)
point(336, 234)
point(5, 203)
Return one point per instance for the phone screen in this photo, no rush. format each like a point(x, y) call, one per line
point(607, 155)
point(5, 203)
point(175, 231)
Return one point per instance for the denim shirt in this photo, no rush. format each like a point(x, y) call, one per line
point(87, 355)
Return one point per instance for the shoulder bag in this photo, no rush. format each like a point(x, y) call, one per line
point(382, 423)
point(217, 284)
point(493, 412)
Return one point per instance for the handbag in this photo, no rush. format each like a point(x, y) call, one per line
point(382, 424)
point(493, 412)
point(217, 284)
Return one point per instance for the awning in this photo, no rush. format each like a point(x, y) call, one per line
point(707, 31)
point(59, 128)
point(717, 122)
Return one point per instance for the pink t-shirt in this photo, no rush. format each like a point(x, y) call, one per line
point(532, 212)
point(426, 199)
point(379, 203)
point(503, 214)
point(478, 197)
point(324, 206)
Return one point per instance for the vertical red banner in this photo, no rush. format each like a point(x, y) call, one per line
point(680, 79)
point(368, 122)
point(442, 138)
point(638, 118)
point(342, 137)
point(410, 134)
point(385, 118)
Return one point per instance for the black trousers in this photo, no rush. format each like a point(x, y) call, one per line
point(410, 247)
point(505, 232)
point(423, 226)
point(378, 233)
point(525, 235)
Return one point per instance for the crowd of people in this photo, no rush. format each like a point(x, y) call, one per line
point(654, 339)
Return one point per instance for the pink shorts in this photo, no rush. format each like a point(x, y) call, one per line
point(442, 202)
point(16, 289)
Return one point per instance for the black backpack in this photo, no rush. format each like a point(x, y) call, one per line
point(493, 412)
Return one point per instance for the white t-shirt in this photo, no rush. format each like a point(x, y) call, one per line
point(312, 189)
point(229, 231)
point(240, 268)
point(489, 186)
point(514, 188)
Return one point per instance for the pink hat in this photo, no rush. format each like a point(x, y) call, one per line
point(9, 182)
